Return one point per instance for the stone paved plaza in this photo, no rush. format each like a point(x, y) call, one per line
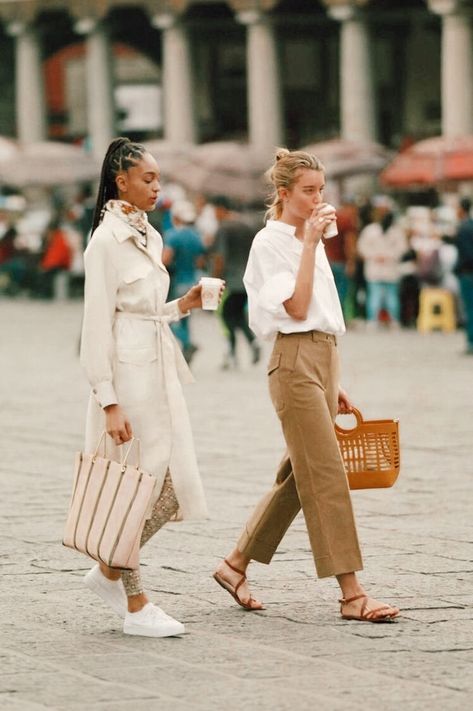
point(62, 649)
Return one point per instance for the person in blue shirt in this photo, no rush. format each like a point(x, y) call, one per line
point(182, 249)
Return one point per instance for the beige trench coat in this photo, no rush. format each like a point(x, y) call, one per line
point(131, 357)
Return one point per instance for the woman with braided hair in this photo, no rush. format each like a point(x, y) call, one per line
point(135, 366)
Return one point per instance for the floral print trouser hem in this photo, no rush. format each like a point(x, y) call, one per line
point(164, 509)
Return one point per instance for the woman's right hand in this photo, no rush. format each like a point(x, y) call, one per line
point(317, 223)
point(117, 424)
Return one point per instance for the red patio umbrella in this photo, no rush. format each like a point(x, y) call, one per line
point(431, 162)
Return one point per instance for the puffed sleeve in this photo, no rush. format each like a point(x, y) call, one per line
point(269, 282)
point(97, 342)
point(270, 277)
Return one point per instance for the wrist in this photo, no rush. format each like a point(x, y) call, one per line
point(310, 246)
point(183, 305)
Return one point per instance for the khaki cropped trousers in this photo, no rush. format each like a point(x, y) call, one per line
point(303, 373)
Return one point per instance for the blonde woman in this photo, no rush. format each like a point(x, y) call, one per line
point(292, 299)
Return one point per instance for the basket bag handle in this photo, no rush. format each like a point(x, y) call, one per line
point(359, 421)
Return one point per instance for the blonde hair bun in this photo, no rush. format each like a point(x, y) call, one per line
point(281, 153)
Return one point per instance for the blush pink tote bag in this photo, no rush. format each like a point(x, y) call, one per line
point(109, 506)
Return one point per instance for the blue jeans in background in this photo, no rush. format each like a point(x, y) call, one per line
point(382, 295)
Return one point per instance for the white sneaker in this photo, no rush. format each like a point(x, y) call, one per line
point(111, 591)
point(151, 621)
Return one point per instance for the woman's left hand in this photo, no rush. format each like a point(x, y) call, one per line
point(344, 403)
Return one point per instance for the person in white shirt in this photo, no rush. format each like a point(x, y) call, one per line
point(292, 298)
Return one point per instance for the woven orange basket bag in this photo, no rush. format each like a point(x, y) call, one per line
point(370, 452)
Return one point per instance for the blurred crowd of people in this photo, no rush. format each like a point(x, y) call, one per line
point(381, 259)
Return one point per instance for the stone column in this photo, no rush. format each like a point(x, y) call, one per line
point(178, 93)
point(265, 120)
point(357, 99)
point(100, 84)
point(457, 67)
point(29, 82)
point(417, 89)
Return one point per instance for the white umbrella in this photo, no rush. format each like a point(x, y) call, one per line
point(167, 154)
point(223, 167)
point(343, 158)
point(47, 163)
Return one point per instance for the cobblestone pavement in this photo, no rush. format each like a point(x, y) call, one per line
point(61, 649)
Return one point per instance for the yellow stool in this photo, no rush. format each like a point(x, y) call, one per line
point(436, 310)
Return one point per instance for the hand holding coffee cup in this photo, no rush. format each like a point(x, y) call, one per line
point(212, 290)
point(319, 222)
point(331, 230)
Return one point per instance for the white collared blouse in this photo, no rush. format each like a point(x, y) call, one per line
point(270, 279)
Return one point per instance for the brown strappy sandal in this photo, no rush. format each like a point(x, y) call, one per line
point(245, 604)
point(366, 616)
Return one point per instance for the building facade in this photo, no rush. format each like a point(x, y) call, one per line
point(269, 71)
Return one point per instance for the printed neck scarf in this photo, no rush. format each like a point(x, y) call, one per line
point(130, 214)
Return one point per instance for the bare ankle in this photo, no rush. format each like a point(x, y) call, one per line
point(137, 602)
point(349, 585)
point(238, 560)
point(109, 573)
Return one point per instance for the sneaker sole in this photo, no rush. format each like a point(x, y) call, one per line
point(142, 631)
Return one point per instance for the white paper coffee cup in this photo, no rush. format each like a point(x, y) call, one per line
point(210, 292)
point(332, 229)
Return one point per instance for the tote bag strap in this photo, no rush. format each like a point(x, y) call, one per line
point(103, 438)
point(123, 459)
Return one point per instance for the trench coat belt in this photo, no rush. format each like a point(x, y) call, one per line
point(167, 345)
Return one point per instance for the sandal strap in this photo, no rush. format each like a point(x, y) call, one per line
point(346, 600)
point(371, 613)
point(365, 615)
point(241, 572)
point(239, 583)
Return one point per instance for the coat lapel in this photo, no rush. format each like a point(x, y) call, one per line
point(123, 231)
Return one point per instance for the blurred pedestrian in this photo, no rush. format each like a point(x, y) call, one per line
point(206, 221)
point(409, 287)
point(135, 367)
point(15, 273)
point(230, 255)
point(81, 213)
point(381, 245)
point(56, 258)
point(293, 299)
point(182, 249)
point(464, 268)
point(341, 252)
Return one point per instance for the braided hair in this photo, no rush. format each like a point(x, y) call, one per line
point(121, 155)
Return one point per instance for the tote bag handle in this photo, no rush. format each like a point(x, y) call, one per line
point(123, 460)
